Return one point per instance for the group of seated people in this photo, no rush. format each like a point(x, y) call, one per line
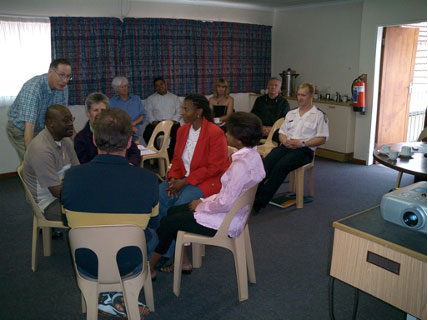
point(203, 181)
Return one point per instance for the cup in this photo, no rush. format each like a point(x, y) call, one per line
point(217, 120)
point(386, 148)
point(406, 151)
point(393, 155)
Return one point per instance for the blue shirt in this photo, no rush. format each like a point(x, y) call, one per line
point(133, 106)
point(32, 101)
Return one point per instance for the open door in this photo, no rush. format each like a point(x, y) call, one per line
point(397, 66)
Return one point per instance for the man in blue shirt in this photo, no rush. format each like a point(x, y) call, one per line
point(128, 102)
point(27, 113)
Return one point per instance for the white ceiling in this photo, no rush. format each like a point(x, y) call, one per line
point(258, 4)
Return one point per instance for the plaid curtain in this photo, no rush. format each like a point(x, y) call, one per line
point(190, 55)
point(92, 45)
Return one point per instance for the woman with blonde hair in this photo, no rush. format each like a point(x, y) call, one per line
point(221, 102)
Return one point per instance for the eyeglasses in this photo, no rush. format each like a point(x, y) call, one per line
point(68, 119)
point(63, 76)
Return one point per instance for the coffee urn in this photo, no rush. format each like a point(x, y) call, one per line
point(288, 87)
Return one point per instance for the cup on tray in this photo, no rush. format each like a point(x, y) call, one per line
point(393, 154)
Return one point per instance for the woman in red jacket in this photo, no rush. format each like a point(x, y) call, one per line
point(200, 157)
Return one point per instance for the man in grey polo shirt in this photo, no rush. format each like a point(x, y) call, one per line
point(47, 158)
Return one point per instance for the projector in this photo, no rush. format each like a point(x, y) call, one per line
point(407, 207)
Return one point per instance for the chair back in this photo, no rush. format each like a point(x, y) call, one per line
point(105, 241)
point(265, 148)
point(278, 123)
point(245, 199)
point(36, 210)
point(162, 127)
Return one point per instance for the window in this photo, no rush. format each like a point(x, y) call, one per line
point(26, 52)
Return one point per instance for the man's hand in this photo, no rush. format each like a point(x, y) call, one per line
point(194, 204)
point(28, 134)
point(293, 144)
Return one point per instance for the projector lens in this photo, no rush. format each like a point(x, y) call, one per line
point(410, 219)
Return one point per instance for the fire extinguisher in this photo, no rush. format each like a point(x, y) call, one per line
point(359, 95)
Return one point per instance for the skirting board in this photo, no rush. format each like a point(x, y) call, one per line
point(334, 155)
point(8, 174)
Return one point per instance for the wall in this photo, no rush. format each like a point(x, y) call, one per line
point(114, 8)
point(322, 44)
point(377, 13)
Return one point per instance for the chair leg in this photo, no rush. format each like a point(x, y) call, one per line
point(130, 295)
point(90, 295)
point(83, 304)
point(47, 241)
point(241, 267)
point(291, 181)
point(311, 183)
point(178, 262)
point(249, 256)
point(161, 165)
point(397, 183)
point(300, 183)
point(34, 245)
point(197, 249)
point(148, 290)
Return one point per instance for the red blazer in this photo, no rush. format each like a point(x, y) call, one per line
point(210, 159)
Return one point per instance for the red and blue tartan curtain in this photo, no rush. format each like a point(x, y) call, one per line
point(190, 55)
point(92, 45)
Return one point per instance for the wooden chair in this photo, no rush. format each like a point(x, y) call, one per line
point(163, 127)
point(39, 222)
point(296, 180)
point(240, 247)
point(267, 147)
point(106, 241)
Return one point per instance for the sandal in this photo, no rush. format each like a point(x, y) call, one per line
point(185, 269)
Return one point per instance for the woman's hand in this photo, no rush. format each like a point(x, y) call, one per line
point(174, 186)
point(193, 204)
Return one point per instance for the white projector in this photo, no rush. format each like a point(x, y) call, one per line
point(407, 207)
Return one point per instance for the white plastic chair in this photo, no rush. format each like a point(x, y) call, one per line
point(106, 241)
point(240, 247)
point(39, 222)
point(265, 148)
point(296, 180)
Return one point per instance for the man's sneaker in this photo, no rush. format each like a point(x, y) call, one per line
point(107, 302)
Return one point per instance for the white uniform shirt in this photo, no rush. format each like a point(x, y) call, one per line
point(314, 123)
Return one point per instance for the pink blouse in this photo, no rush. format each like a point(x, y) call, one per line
point(245, 171)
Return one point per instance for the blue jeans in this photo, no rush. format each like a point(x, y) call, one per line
point(186, 195)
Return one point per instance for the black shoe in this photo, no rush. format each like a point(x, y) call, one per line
point(56, 234)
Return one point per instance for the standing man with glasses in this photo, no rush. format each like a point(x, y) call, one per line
point(27, 113)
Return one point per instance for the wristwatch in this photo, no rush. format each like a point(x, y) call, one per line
point(303, 144)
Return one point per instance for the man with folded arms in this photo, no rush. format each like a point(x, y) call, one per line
point(27, 113)
point(303, 130)
point(49, 155)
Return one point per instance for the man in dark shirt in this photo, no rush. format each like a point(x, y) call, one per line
point(271, 106)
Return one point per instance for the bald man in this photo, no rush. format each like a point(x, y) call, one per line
point(47, 158)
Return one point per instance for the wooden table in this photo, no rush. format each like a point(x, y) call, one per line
point(382, 259)
point(416, 165)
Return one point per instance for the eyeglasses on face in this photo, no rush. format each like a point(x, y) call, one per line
point(63, 76)
point(68, 119)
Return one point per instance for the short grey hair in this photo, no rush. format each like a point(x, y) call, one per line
point(118, 81)
point(275, 78)
point(96, 97)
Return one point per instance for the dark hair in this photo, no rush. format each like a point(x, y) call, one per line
point(245, 127)
point(157, 79)
point(54, 64)
point(96, 97)
point(112, 130)
point(201, 102)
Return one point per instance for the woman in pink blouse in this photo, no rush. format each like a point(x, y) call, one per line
point(204, 216)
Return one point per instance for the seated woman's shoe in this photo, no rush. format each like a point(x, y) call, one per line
point(185, 269)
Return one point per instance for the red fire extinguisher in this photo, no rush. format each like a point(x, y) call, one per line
point(359, 95)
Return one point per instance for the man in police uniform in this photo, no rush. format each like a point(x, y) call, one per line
point(304, 129)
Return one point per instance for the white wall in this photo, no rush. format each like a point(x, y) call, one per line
point(321, 43)
point(378, 13)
